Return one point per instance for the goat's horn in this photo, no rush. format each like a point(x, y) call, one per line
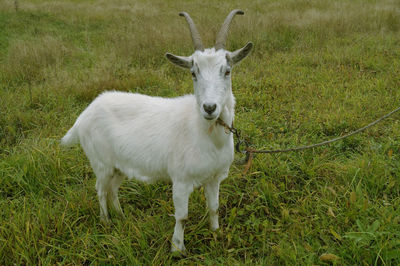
point(223, 33)
point(198, 45)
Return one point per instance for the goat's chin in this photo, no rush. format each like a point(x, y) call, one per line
point(210, 118)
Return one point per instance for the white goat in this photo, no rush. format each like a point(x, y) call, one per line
point(152, 138)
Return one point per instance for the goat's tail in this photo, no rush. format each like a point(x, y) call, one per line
point(71, 137)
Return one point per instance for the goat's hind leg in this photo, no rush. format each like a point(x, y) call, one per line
point(115, 183)
point(103, 175)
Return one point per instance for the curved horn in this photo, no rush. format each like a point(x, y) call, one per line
point(223, 33)
point(198, 45)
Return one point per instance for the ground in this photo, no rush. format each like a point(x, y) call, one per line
point(319, 69)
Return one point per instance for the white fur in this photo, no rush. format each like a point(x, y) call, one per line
point(152, 138)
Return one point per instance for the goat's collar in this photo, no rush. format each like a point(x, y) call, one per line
point(221, 122)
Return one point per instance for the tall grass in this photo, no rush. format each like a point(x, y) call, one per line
point(319, 70)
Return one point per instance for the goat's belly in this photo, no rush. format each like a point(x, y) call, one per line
point(145, 175)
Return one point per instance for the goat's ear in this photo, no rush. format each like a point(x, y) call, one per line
point(182, 61)
point(238, 55)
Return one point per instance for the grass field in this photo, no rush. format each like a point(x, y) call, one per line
point(319, 70)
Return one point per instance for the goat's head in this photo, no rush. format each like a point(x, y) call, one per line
point(211, 68)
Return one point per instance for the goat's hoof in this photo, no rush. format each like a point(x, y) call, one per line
point(121, 215)
point(178, 251)
point(105, 220)
point(178, 254)
point(214, 226)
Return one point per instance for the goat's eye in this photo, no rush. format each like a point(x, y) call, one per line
point(227, 73)
point(193, 75)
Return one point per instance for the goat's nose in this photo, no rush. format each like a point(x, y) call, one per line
point(209, 108)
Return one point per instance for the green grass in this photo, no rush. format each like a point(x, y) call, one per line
point(319, 69)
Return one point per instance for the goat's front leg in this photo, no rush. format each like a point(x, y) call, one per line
point(180, 195)
point(211, 190)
